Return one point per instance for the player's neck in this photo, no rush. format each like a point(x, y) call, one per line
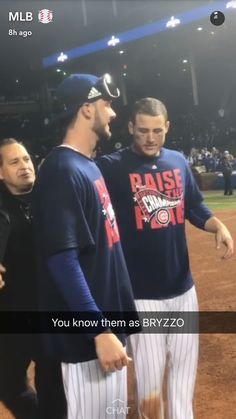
point(81, 142)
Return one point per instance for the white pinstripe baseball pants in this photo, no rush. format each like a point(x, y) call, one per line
point(93, 394)
point(152, 352)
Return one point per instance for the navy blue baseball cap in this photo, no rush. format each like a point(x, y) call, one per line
point(78, 89)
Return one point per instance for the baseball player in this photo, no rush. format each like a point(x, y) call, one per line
point(80, 262)
point(153, 192)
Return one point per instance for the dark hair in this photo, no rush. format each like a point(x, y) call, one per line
point(4, 142)
point(61, 123)
point(69, 120)
point(149, 106)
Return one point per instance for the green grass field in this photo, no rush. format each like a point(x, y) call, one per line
point(215, 200)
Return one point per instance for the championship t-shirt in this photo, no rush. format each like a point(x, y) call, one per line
point(151, 198)
point(72, 210)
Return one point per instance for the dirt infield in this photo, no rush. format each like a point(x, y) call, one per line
point(216, 286)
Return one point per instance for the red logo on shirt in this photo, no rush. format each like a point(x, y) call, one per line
point(108, 212)
point(153, 203)
point(158, 198)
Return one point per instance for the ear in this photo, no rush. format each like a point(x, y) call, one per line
point(131, 127)
point(86, 110)
point(167, 126)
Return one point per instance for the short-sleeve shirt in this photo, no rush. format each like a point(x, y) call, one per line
point(72, 209)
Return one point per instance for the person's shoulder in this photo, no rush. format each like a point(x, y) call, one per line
point(59, 160)
point(57, 154)
point(116, 156)
point(174, 154)
point(54, 172)
point(113, 159)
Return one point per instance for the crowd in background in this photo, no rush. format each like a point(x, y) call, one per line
point(203, 142)
point(211, 160)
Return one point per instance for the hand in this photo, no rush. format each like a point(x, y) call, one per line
point(111, 353)
point(2, 271)
point(223, 235)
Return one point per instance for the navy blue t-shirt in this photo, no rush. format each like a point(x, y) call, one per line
point(151, 198)
point(72, 209)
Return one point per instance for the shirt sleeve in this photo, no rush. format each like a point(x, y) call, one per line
point(59, 213)
point(75, 290)
point(199, 215)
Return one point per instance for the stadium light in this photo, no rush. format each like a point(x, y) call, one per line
point(136, 33)
point(62, 57)
point(231, 5)
point(173, 22)
point(113, 41)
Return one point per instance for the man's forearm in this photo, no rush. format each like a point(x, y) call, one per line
point(213, 224)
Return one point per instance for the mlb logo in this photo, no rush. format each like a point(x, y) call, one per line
point(20, 17)
point(45, 16)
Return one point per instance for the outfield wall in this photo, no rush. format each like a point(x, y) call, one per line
point(212, 181)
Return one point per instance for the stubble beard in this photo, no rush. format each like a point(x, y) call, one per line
point(100, 129)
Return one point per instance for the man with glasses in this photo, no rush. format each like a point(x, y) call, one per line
point(80, 262)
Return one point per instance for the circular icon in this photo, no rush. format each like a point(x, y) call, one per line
point(45, 16)
point(118, 146)
point(162, 216)
point(217, 18)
